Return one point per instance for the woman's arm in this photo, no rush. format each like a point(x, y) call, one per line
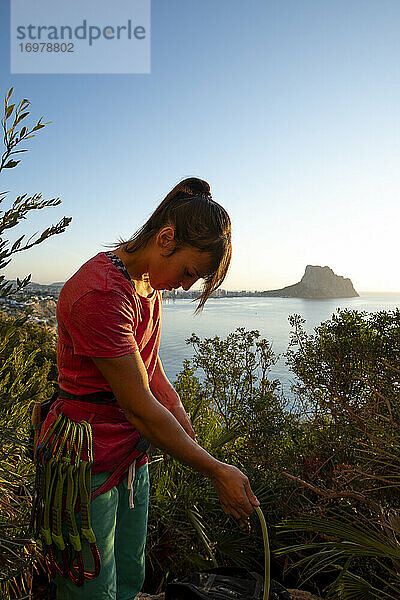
point(165, 393)
point(162, 388)
point(128, 379)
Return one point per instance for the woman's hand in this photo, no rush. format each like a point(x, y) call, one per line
point(234, 491)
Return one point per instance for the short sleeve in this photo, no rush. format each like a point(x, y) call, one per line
point(102, 325)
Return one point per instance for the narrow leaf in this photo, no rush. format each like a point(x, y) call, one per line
point(25, 114)
point(17, 243)
point(9, 110)
point(11, 164)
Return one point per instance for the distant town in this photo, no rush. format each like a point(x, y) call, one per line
point(41, 300)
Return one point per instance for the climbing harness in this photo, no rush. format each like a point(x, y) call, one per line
point(64, 459)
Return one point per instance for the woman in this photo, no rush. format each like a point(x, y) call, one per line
point(110, 375)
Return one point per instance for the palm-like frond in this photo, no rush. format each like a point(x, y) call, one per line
point(347, 540)
point(200, 528)
point(353, 538)
point(355, 587)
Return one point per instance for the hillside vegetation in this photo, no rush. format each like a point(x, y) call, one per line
point(325, 467)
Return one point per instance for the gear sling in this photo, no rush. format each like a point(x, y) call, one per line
point(63, 460)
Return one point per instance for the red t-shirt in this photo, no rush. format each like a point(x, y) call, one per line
point(99, 314)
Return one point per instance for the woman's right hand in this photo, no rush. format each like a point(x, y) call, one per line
point(234, 491)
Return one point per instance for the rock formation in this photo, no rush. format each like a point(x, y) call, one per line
point(317, 282)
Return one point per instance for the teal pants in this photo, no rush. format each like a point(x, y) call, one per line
point(121, 539)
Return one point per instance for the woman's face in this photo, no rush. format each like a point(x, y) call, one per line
point(181, 269)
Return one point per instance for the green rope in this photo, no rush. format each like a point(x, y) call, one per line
point(52, 429)
point(61, 455)
point(267, 557)
point(85, 477)
point(51, 472)
point(56, 533)
point(64, 463)
point(49, 482)
point(72, 494)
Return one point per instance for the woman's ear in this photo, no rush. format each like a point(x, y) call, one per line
point(165, 239)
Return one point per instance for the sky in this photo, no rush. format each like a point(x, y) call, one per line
point(288, 108)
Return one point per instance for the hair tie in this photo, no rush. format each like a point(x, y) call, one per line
point(206, 195)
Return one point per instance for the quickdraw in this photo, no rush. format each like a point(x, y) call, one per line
point(60, 467)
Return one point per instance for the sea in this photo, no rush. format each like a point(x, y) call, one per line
point(269, 316)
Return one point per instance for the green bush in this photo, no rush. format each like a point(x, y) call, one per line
point(349, 383)
point(27, 364)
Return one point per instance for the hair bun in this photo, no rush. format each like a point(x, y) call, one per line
point(192, 186)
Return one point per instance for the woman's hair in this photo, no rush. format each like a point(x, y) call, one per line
point(199, 222)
